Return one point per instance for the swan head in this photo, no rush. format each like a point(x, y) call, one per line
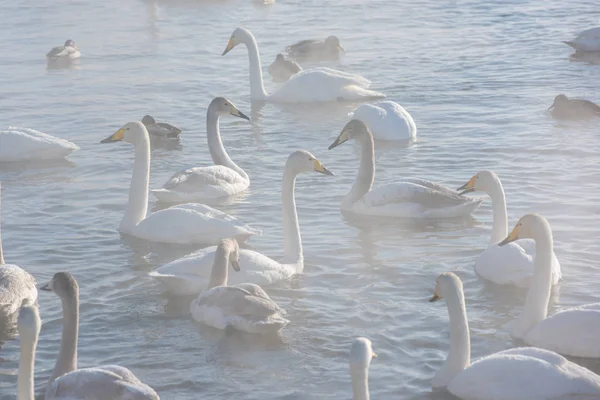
point(333, 43)
point(221, 106)
point(303, 161)
point(29, 323)
point(240, 35)
point(63, 284)
point(148, 120)
point(559, 101)
point(446, 284)
point(530, 226)
point(131, 132)
point(231, 249)
point(361, 353)
point(355, 129)
point(483, 181)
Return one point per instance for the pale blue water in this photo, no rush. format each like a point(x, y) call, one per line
point(476, 76)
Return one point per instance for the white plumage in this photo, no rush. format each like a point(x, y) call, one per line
point(387, 120)
point(24, 144)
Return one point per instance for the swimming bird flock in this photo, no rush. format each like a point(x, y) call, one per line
point(228, 282)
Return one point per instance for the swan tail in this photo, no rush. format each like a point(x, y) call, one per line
point(177, 286)
point(272, 324)
point(572, 44)
point(354, 92)
point(165, 195)
point(248, 233)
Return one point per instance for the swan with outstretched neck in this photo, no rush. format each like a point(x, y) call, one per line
point(189, 275)
point(16, 284)
point(361, 355)
point(512, 264)
point(221, 180)
point(520, 373)
point(67, 382)
point(183, 224)
point(408, 198)
point(572, 332)
point(307, 86)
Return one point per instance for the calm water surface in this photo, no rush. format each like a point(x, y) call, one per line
point(476, 76)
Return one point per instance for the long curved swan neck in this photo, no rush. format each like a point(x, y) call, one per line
point(219, 274)
point(366, 170)
point(292, 241)
point(360, 383)
point(1, 253)
point(500, 218)
point(459, 356)
point(215, 145)
point(67, 356)
point(257, 87)
point(536, 305)
point(137, 207)
point(26, 367)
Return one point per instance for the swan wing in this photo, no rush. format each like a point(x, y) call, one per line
point(16, 285)
point(506, 265)
point(22, 144)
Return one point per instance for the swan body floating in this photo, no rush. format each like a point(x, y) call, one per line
point(221, 180)
point(572, 332)
point(307, 86)
point(512, 264)
point(68, 382)
point(189, 275)
point(565, 108)
point(520, 373)
point(245, 307)
point(16, 286)
point(69, 51)
point(29, 324)
point(586, 41)
point(409, 198)
point(387, 120)
point(23, 144)
point(281, 69)
point(328, 49)
point(160, 130)
point(361, 355)
point(183, 224)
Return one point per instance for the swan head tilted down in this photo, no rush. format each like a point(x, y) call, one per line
point(530, 226)
point(238, 36)
point(445, 284)
point(303, 161)
point(131, 132)
point(231, 247)
point(221, 107)
point(483, 181)
point(355, 129)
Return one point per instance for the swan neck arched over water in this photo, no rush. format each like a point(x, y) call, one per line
point(215, 145)
point(292, 242)
point(1, 252)
point(29, 328)
point(137, 206)
point(500, 218)
point(257, 87)
point(366, 169)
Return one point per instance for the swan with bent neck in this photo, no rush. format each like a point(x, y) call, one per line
point(361, 355)
point(573, 331)
point(29, 325)
point(519, 373)
point(67, 382)
point(245, 307)
point(183, 224)
point(408, 198)
point(188, 275)
point(221, 180)
point(307, 86)
point(513, 263)
point(16, 284)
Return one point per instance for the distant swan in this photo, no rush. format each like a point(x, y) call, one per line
point(409, 198)
point(361, 355)
point(512, 264)
point(573, 331)
point(104, 382)
point(281, 69)
point(183, 224)
point(387, 120)
point(29, 324)
point(221, 180)
point(68, 51)
point(23, 144)
point(312, 49)
point(586, 41)
point(307, 86)
point(160, 130)
point(189, 275)
point(245, 307)
point(16, 285)
point(520, 373)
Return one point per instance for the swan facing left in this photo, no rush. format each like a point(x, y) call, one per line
point(183, 224)
point(520, 373)
point(24, 144)
point(97, 383)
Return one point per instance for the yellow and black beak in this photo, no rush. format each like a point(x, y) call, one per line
point(468, 187)
point(321, 168)
point(230, 46)
point(235, 265)
point(512, 236)
point(343, 137)
point(115, 137)
point(237, 113)
point(435, 297)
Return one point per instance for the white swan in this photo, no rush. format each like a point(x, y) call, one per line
point(188, 275)
point(23, 144)
point(307, 86)
point(183, 224)
point(572, 332)
point(223, 179)
point(16, 285)
point(586, 41)
point(68, 51)
point(409, 198)
point(245, 307)
point(387, 120)
point(520, 373)
point(512, 264)
point(29, 325)
point(104, 382)
point(361, 355)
